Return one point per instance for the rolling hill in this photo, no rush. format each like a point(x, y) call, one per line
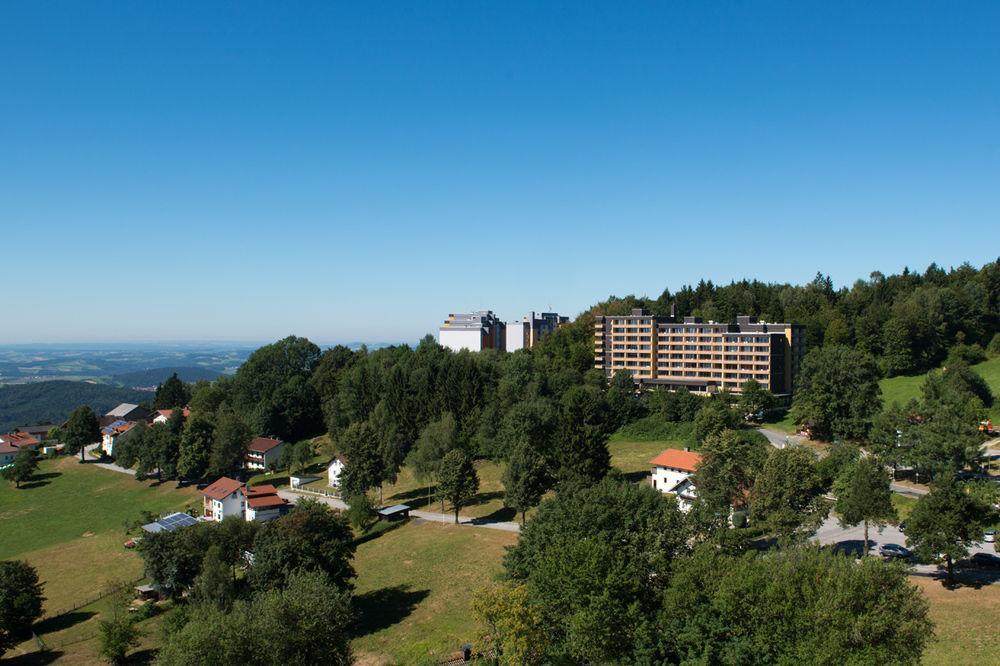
point(25, 404)
point(154, 376)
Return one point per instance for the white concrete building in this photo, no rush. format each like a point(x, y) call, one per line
point(474, 331)
point(672, 471)
point(223, 498)
point(524, 334)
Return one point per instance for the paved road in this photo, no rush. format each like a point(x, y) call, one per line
point(852, 538)
point(778, 439)
point(425, 515)
point(92, 459)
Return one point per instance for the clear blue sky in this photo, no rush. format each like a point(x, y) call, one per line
point(355, 171)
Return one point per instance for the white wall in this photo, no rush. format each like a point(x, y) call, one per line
point(665, 478)
point(515, 335)
point(233, 505)
point(333, 471)
point(457, 340)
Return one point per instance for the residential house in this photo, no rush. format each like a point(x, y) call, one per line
point(114, 432)
point(125, 412)
point(39, 432)
point(264, 504)
point(263, 453)
point(223, 498)
point(672, 472)
point(7, 453)
point(333, 470)
point(20, 440)
point(163, 415)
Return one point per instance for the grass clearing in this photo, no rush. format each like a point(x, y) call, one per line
point(902, 389)
point(415, 587)
point(69, 501)
point(965, 623)
point(903, 504)
point(419, 495)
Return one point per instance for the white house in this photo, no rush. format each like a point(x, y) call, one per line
point(163, 415)
point(263, 503)
point(7, 453)
point(672, 471)
point(333, 470)
point(263, 453)
point(115, 432)
point(223, 498)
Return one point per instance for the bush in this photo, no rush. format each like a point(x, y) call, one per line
point(968, 354)
point(993, 349)
point(654, 428)
point(145, 611)
point(361, 512)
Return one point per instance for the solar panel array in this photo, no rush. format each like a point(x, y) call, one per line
point(170, 523)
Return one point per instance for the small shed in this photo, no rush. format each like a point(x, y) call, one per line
point(395, 512)
point(147, 593)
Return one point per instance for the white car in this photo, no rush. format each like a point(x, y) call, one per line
point(990, 536)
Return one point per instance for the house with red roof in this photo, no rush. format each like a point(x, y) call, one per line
point(114, 432)
point(672, 472)
point(223, 498)
point(228, 497)
point(263, 453)
point(163, 415)
point(263, 503)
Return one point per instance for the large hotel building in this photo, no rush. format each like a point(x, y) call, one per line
point(699, 356)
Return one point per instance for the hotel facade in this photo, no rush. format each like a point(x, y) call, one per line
point(704, 357)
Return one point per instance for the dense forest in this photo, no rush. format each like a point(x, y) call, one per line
point(26, 404)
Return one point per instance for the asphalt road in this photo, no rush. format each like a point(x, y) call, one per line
point(852, 539)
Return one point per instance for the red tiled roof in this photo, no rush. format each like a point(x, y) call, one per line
point(166, 413)
point(19, 439)
point(677, 459)
point(8, 448)
point(263, 489)
point(265, 501)
point(222, 488)
point(263, 444)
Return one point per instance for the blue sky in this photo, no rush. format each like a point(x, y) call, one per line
point(355, 171)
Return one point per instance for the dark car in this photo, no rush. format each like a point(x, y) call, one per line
point(894, 551)
point(902, 526)
point(985, 560)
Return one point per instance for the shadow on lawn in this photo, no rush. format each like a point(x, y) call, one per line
point(378, 530)
point(502, 515)
point(34, 658)
point(636, 477)
point(380, 609)
point(64, 621)
point(418, 498)
point(39, 480)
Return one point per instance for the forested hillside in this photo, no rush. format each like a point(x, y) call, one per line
point(154, 376)
point(24, 404)
point(908, 322)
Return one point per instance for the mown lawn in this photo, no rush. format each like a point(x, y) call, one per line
point(420, 495)
point(965, 623)
point(415, 587)
point(903, 389)
point(69, 501)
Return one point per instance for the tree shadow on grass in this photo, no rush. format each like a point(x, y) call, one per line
point(417, 498)
point(502, 515)
point(483, 498)
point(635, 477)
point(146, 656)
point(380, 528)
point(33, 658)
point(65, 621)
point(382, 608)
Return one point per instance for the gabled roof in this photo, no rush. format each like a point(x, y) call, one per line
point(265, 501)
point(222, 488)
point(687, 461)
point(263, 489)
point(18, 439)
point(122, 409)
point(8, 448)
point(263, 444)
point(166, 413)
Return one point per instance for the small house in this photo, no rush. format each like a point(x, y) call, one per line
point(115, 432)
point(163, 415)
point(224, 498)
point(263, 503)
point(333, 470)
point(263, 453)
point(125, 412)
point(672, 472)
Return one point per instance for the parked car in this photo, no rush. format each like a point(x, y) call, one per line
point(902, 526)
point(985, 560)
point(894, 551)
point(990, 536)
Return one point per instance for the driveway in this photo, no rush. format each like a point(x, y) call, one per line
point(93, 460)
point(779, 439)
point(432, 516)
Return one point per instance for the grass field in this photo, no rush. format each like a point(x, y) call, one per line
point(488, 502)
point(903, 389)
point(69, 524)
point(966, 621)
point(415, 587)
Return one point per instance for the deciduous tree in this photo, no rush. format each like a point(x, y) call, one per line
point(458, 481)
point(864, 495)
point(81, 430)
point(838, 393)
point(20, 602)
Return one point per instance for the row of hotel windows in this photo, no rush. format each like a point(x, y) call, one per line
point(745, 338)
